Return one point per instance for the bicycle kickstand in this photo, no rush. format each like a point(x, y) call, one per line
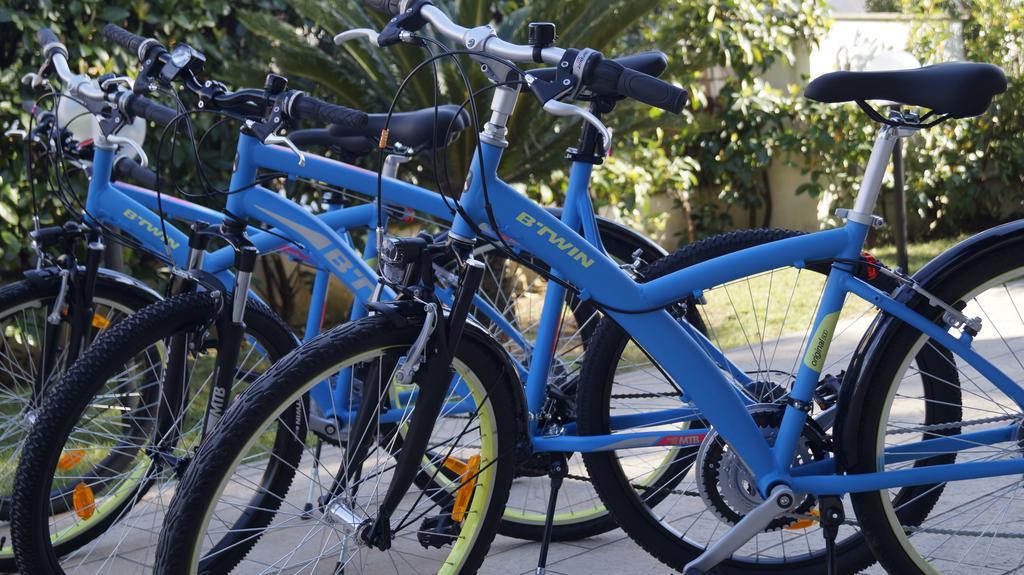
point(557, 471)
point(832, 516)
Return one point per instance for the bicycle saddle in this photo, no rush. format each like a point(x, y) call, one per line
point(413, 129)
point(650, 63)
point(960, 89)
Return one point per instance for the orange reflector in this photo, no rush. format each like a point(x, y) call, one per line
point(465, 493)
point(804, 523)
point(454, 464)
point(70, 458)
point(99, 322)
point(84, 500)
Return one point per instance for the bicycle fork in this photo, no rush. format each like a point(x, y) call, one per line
point(433, 379)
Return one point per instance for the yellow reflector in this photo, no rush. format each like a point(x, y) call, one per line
point(804, 523)
point(99, 322)
point(84, 500)
point(465, 493)
point(70, 458)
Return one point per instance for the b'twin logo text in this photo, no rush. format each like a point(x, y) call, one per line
point(556, 240)
point(149, 227)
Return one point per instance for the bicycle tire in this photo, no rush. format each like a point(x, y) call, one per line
point(62, 407)
point(180, 546)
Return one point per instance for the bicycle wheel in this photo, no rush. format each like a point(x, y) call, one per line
point(447, 530)
point(676, 502)
point(110, 439)
point(962, 526)
point(516, 292)
point(24, 307)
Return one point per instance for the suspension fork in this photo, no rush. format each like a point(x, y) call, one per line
point(76, 294)
point(174, 390)
point(83, 309)
point(54, 325)
point(433, 379)
point(231, 331)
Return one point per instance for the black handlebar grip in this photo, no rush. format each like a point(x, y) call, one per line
point(652, 91)
point(49, 42)
point(123, 38)
point(389, 7)
point(46, 36)
point(141, 107)
point(129, 169)
point(131, 42)
point(320, 112)
point(610, 77)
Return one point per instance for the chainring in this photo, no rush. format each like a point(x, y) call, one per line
point(726, 484)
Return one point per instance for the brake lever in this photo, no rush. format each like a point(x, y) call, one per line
point(33, 79)
point(355, 34)
point(143, 158)
point(556, 108)
point(284, 141)
point(114, 81)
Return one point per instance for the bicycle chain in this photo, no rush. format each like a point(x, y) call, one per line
point(954, 424)
point(647, 395)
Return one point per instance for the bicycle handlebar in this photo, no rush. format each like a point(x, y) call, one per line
point(55, 51)
point(606, 77)
point(127, 168)
point(142, 107)
point(307, 108)
point(134, 43)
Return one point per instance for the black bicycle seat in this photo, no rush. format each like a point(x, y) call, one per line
point(420, 130)
point(959, 89)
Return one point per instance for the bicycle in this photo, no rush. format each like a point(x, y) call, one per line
point(72, 407)
point(788, 475)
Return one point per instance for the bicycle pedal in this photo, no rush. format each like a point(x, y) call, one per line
point(438, 531)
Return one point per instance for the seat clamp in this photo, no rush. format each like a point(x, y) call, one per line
point(860, 217)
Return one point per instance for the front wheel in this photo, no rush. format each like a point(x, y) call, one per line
point(444, 524)
point(25, 307)
point(110, 439)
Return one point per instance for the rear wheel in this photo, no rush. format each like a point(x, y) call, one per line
point(960, 526)
point(676, 502)
point(111, 438)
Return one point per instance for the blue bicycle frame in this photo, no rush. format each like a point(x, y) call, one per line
point(324, 238)
point(639, 309)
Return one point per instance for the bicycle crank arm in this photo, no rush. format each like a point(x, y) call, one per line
point(779, 502)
